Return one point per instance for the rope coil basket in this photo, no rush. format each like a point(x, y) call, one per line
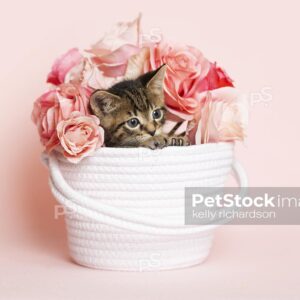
point(127, 204)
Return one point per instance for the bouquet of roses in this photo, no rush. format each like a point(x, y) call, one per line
point(197, 91)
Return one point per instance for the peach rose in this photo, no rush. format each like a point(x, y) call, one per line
point(80, 136)
point(189, 73)
point(112, 52)
point(66, 68)
point(224, 116)
point(56, 105)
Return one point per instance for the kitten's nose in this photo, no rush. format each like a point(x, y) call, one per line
point(152, 132)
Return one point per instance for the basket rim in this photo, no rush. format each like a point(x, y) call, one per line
point(203, 148)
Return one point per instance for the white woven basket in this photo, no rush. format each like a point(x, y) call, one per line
point(128, 204)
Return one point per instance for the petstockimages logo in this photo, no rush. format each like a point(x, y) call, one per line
point(238, 206)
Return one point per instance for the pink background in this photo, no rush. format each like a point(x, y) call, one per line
point(256, 41)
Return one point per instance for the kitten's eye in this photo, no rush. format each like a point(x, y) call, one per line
point(132, 123)
point(157, 114)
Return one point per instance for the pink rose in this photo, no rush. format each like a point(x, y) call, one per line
point(80, 136)
point(189, 73)
point(186, 66)
point(66, 67)
point(56, 105)
point(224, 116)
point(112, 52)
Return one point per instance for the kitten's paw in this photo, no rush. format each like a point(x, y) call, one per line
point(157, 142)
point(178, 141)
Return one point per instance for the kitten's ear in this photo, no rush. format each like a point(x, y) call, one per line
point(155, 80)
point(103, 102)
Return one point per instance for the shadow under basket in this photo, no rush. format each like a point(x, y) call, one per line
point(125, 206)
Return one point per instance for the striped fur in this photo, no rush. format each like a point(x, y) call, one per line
point(132, 113)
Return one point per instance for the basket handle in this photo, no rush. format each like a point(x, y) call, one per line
point(116, 217)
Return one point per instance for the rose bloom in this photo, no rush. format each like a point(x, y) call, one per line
point(80, 136)
point(224, 117)
point(112, 52)
point(66, 68)
point(56, 105)
point(189, 73)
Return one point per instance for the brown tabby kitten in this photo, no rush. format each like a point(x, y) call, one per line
point(132, 113)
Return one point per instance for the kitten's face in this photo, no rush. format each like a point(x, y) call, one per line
point(131, 112)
